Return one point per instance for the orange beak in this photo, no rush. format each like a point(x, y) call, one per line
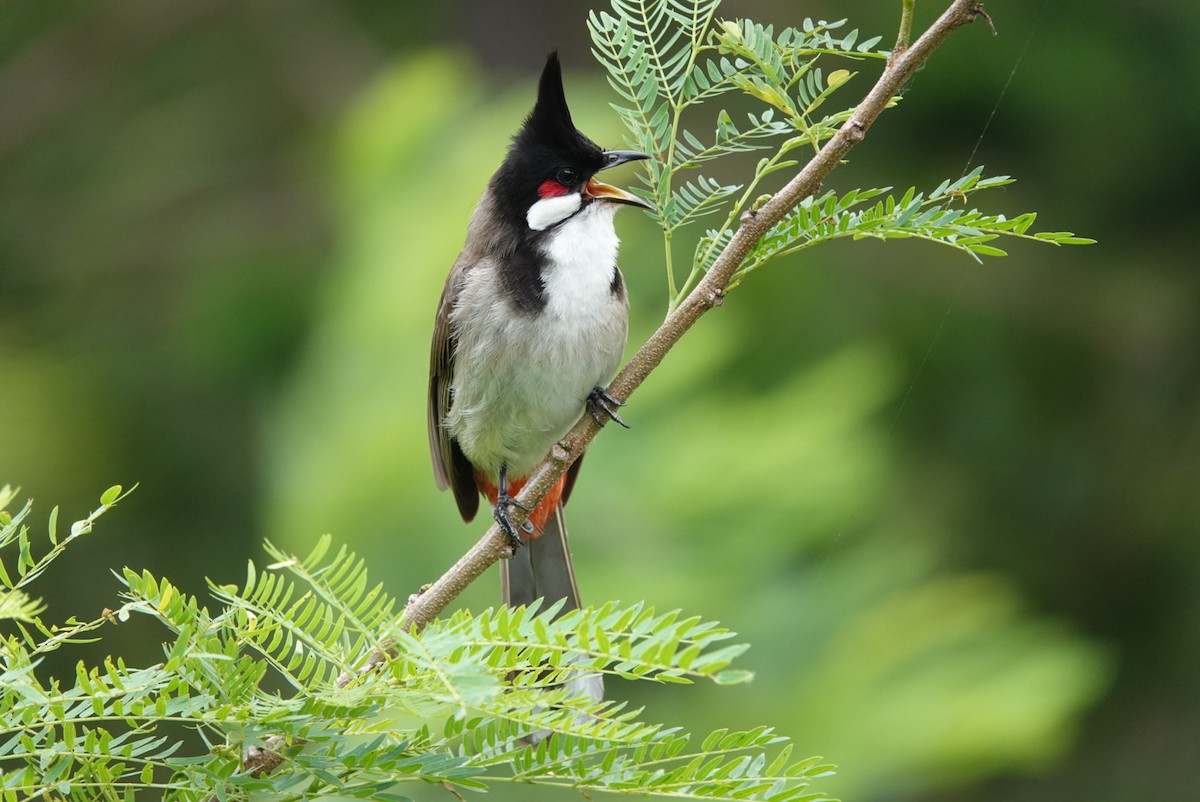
point(601, 191)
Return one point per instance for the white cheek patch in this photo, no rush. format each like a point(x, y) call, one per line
point(551, 211)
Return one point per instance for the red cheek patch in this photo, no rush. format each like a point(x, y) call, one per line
point(551, 189)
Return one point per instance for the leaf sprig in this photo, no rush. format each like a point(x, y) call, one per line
point(457, 703)
point(664, 58)
point(861, 213)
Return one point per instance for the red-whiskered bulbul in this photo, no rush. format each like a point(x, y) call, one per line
point(530, 327)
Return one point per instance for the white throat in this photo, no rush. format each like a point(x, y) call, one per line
point(583, 255)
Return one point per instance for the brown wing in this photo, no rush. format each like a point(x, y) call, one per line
point(450, 466)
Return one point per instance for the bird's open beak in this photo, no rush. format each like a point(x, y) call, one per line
point(597, 189)
point(602, 191)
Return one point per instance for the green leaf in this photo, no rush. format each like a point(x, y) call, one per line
point(733, 677)
point(16, 605)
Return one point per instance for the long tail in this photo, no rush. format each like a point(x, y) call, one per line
point(541, 569)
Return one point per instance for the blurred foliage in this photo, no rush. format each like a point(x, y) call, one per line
point(953, 508)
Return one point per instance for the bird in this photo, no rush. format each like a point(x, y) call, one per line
point(530, 327)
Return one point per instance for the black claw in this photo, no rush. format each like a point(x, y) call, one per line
point(503, 517)
point(599, 399)
point(501, 513)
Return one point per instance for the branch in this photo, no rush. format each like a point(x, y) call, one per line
point(709, 293)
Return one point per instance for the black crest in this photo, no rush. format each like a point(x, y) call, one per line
point(549, 139)
point(550, 117)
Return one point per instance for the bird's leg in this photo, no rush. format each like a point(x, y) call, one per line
point(501, 513)
point(599, 399)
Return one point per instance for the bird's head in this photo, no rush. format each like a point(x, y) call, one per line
point(549, 173)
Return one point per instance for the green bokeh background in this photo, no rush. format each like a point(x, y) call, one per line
point(953, 507)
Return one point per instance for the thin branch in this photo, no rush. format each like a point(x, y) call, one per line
point(709, 293)
point(906, 19)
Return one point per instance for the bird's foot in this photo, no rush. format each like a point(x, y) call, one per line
point(599, 399)
point(503, 515)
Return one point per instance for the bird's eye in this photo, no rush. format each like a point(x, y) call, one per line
point(567, 177)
